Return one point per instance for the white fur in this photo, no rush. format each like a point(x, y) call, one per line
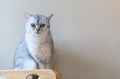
point(39, 45)
point(36, 50)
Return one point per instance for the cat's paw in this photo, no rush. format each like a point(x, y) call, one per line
point(2, 77)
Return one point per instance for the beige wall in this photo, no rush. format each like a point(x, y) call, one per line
point(85, 32)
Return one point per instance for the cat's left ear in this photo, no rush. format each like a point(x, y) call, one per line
point(50, 16)
point(27, 16)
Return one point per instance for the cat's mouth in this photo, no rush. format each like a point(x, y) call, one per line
point(36, 33)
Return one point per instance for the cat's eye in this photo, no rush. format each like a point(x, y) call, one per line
point(33, 25)
point(42, 25)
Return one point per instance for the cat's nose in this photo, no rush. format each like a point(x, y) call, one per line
point(38, 29)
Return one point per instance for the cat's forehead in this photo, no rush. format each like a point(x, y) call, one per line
point(40, 18)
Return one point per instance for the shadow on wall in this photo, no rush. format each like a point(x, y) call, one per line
point(73, 66)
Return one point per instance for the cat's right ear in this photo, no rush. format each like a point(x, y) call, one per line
point(27, 16)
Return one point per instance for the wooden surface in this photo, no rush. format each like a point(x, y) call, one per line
point(22, 74)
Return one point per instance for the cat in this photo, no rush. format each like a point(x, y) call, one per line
point(36, 49)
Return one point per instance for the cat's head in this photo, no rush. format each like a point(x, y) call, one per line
point(37, 24)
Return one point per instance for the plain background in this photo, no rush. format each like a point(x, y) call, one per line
point(86, 35)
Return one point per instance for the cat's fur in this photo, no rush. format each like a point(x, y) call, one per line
point(36, 49)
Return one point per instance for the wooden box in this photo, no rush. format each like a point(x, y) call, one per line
point(23, 74)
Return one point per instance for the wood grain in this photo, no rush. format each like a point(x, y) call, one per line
point(22, 74)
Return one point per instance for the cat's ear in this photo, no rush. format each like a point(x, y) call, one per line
point(27, 16)
point(50, 16)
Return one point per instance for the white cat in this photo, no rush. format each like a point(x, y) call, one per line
point(36, 49)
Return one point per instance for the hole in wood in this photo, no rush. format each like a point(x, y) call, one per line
point(32, 76)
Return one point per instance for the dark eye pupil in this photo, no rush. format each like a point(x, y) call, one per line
point(33, 25)
point(42, 25)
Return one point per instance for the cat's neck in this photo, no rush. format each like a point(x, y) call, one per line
point(38, 39)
